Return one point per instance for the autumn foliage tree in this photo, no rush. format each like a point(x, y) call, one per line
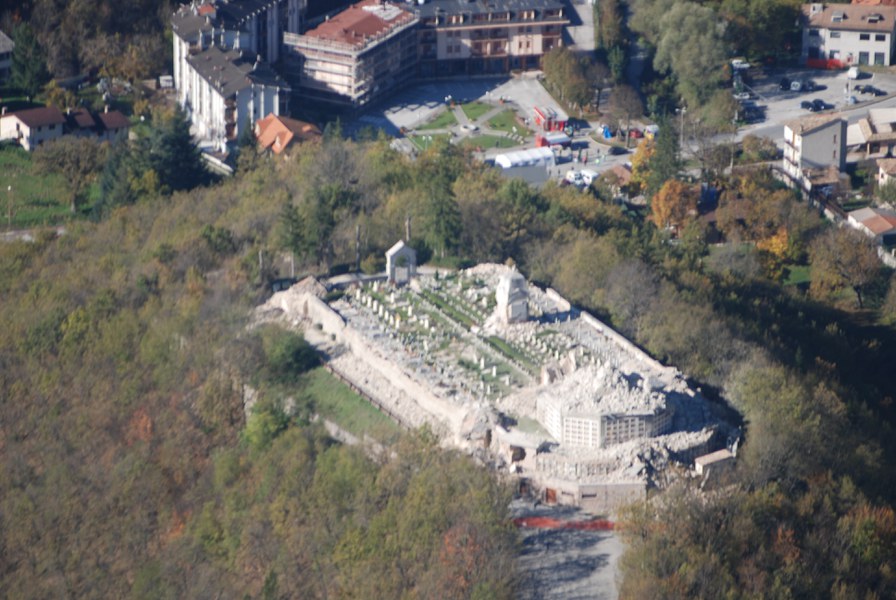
point(674, 205)
point(843, 258)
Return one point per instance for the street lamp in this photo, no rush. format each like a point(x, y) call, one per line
point(9, 207)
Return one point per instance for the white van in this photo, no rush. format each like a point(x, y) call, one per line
point(853, 73)
point(588, 176)
point(574, 177)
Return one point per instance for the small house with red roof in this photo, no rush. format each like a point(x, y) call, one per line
point(276, 133)
point(876, 223)
point(33, 126)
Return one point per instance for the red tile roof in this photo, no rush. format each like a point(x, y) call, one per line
point(38, 117)
point(113, 120)
point(360, 22)
point(275, 133)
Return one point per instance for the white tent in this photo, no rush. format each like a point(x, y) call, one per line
point(533, 157)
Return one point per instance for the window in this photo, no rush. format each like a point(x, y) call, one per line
point(880, 37)
point(835, 34)
point(864, 37)
point(879, 58)
point(863, 58)
point(814, 33)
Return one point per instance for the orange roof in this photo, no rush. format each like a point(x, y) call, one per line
point(275, 133)
point(879, 223)
point(360, 22)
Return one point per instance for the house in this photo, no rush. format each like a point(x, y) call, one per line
point(275, 133)
point(357, 55)
point(108, 125)
point(487, 38)
point(714, 462)
point(222, 92)
point(874, 135)
point(886, 171)
point(6, 48)
point(848, 34)
point(877, 223)
point(32, 127)
point(815, 151)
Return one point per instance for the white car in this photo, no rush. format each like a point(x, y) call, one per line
point(574, 177)
point(588, 176)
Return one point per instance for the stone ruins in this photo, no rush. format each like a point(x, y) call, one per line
point(514, 374)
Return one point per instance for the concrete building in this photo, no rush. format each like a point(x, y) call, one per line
point(32, 127)
point(479, 38)
point(222, 56)
point(873, 136)
point(6, 48)
point(886, 171)
point(815, 151)
point(223, 92)
point(356, 56)
point(848, 34)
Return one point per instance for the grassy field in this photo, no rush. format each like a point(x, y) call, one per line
point(474, 110)
point(333, 400)
point(425, 141)
point(489, 141)
point(443, 121)
point(506, 121)
point(34, 199)
point(797, 275)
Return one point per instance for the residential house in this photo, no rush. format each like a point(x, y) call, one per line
point(108, 125)
point(356, 56)
point(223, 92)
point(32, 127)
point(495, 37)
point(873, 136)
point(877, 223)
point(6, 48)
point(815, 151)
point(886, 171)
point(276, 133)
point(848, 34)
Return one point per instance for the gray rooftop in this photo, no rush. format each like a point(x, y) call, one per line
point(229, 72)
point(6, 44)
point(189, 19)
point(515, 7)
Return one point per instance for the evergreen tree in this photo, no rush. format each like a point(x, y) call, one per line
point(29, 62)
point(173, 154)
point(665, 163)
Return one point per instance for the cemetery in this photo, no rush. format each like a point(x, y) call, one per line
point(511, 373)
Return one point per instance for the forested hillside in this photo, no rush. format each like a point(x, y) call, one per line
point(130, 471)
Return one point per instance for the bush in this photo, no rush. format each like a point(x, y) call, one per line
point(287, 355)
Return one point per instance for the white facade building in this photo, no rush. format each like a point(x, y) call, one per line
point(853, 34)
point(32, 127)
point(815, 150)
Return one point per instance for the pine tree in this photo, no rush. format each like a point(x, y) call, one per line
point(29, 62)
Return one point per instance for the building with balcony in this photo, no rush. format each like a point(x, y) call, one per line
point(815, 151)
point(223, 92)
point(848, 34)
point(32, 127)
point(479, 38)
point(357, 55)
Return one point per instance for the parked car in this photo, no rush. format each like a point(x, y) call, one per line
point(574, 177)
point(851, 100)
point(636, 134)
point(742, 96)
point(784, 85)
point(809, 85)
point(819, 105)
point(796, 86)
point(870, 89)
point(806, 105)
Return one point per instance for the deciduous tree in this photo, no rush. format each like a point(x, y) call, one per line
point(843, 258)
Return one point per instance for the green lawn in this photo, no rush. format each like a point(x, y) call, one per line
point(443, 121)
point(506, 121)
point(335, 401)
point(797, 274)
point(35, 199)
point(489, 141)
point(425, 141)
point(474, 110)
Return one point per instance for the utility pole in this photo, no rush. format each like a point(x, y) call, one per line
point(9, 207)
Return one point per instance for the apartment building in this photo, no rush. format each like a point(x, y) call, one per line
point(357, 55)
point(6, 48)
point(848, 34)
point(815, 151)
point(479, 38)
